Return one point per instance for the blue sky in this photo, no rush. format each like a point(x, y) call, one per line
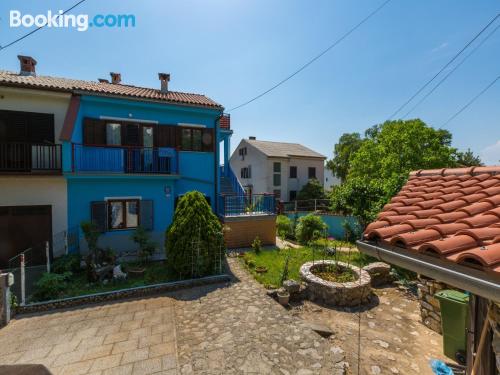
point(233, 50)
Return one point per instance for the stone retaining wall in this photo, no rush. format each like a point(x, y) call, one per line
point(120, 294)
point(495, 325)
point(429, 306)
point(4, 299)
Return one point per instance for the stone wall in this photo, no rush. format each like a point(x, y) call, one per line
point(429, 306)
point(495, 325)
point(4, 299)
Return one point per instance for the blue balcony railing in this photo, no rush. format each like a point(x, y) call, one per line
point(241, 205)
point(227, 172)
point(113, 159)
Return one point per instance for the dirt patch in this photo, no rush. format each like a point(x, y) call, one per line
point(393, 340)
point(334, 273)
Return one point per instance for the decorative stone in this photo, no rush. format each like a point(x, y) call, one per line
point(118, 274)
point(379, 273)
point(332, 293)
point(291, 286)
point(320, 329)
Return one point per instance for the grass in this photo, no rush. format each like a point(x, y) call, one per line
point(274, 261)
point(155, 273)
point(335, 273)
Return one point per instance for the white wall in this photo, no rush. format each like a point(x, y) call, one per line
point(37, 190)
point(330, 180)
point(262, 171)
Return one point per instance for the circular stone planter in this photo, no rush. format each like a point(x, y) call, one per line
point(332, 293)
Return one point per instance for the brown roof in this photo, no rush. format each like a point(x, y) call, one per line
point(101, 88)
point(453, 214)
point(284, 150)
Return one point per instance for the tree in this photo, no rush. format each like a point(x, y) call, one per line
point(312, 190)
point(309, 228)
point(194, 240)
point(343, 151)
point(468, 159)
point(396, 148)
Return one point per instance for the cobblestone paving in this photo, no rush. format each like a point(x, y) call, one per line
point(224, 329)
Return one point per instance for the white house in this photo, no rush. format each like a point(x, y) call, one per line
point(276, 167)
point(330, 180)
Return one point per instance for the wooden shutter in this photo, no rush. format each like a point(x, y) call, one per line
point(41, 128)
point(131, 135)
point(99, 215)
point(18, 127)
point(146, 214)
point(207, 140)
point(94, 132)
point(166, 136)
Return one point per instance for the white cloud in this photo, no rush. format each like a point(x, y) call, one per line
point(490, 155)
point(440, 47)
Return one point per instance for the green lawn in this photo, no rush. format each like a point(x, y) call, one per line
point(274, 261)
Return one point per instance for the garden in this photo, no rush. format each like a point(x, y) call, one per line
point(194, 248)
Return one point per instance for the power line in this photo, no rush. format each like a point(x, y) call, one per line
point(451, 71)
point(443, 68)
point(315, 58)
point(470, 102)
point(39, 27)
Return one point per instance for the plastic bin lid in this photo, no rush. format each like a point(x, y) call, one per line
point(453, 295)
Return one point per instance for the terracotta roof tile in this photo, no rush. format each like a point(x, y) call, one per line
point(449, 213)
point(102, 88)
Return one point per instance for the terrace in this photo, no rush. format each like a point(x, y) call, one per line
point(30, 158)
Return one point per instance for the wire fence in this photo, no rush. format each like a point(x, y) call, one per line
point(316, 205)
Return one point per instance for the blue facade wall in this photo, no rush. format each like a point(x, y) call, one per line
point(197, 170)
point(334, 223)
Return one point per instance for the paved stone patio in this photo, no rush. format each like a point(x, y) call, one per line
point(218, 329)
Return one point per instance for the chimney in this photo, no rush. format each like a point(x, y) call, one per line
point(164, 79)
point(252, 138)
point(116, 78)
point(102, 80)
point(27, 65)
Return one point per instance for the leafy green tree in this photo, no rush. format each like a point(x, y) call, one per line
point(396, 148)
point(312, 190)
point(348, 145)
point(468, 159)
point(194, 239)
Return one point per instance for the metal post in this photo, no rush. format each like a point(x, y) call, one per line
point(23, 282)
point(66, 242)
point(295, 205)
point(315, 205)
point(47, 255)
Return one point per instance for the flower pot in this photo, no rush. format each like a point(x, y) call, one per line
point(283, 297)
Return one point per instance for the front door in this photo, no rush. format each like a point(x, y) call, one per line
point(23, 227)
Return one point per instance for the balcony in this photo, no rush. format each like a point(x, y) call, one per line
point(30, 158)
point(124, 159)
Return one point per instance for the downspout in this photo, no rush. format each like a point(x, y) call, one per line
point(216, 162)
point(459, 276)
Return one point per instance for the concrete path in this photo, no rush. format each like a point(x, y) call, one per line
point(222, 329)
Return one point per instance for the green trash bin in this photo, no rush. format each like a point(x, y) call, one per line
point(454, 319)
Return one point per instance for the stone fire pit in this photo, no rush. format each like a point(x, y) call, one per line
point(332, 293)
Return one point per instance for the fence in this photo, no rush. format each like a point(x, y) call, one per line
point(30, 264)
point(240, 205)
point(18, 157)
point(322, 205)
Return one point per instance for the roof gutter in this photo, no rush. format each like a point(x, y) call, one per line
point(466, 278)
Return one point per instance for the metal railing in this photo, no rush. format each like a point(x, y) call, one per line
point(241, 205)
point(24, 157)
point(227, 171)
point(322, 205)
point(124, 159)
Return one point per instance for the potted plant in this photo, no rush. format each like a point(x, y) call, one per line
point(283, 296)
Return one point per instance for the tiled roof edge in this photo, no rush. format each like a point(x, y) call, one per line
point(472, 171)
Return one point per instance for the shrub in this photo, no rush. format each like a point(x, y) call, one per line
point(257, 245)
point(146, 246)
point(309, 228)
point(283, 226)
point(50, 286)
point(195, 235)
point(67, 263)
point(312, 190)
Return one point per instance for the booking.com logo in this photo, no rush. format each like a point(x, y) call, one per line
point(80, 22)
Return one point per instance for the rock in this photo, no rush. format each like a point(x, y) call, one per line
point(291, 286)
point(320, 329)
point(118, 274)
point(379, 272)
point(375, 370)
point(383, 344)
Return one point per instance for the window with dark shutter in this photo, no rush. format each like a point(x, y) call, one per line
point(293, 172)
point(208, 140)
point(132, 134)
point(98, 214)
point(94, 132)
point(166, 136)
point(146, 216)
point(26, 127)
point(312, 172)
point(41, 128)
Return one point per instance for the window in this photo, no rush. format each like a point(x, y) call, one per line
point(293, 195)
point(293, 172)
point(311, 172)
point(246, 172)
point(194, 139)
point(242, 152)
point(277, 193)
point(277, 174)
point(113, 134)
point(123, 214)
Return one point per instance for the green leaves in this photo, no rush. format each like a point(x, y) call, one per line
point(312, 190)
